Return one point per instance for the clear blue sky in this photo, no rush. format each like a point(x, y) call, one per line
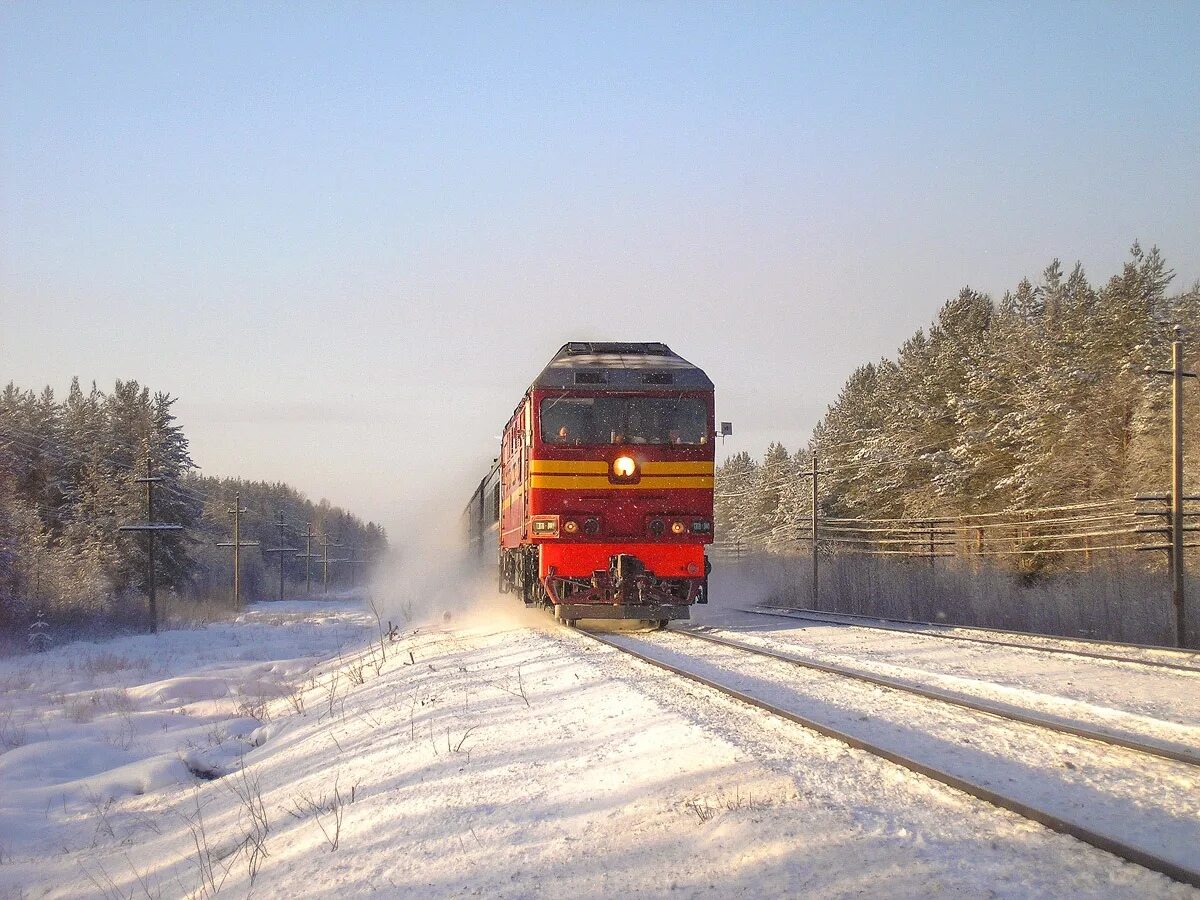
point(348, 235)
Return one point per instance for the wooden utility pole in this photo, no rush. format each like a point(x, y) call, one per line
point(149, 480)
point(325, 561)
point(308, 556)
point(1176, 497)
point(237, 544)
point(815, 474)
point(150, 528)
point(816, 578)
point(281, 525)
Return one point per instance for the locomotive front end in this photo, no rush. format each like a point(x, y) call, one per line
point(616, 485)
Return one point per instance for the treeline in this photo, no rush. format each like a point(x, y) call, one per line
point(69, 479)
point(1040, 399)
point(264, 503)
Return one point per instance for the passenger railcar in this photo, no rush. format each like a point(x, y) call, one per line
point(601, 499)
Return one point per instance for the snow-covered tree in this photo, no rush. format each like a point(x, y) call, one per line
point(1040, 399)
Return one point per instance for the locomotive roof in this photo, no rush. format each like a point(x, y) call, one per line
point(620, 366)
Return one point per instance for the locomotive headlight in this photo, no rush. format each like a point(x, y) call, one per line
point(677, 528)
point(624, 467)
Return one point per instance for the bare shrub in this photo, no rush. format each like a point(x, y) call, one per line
point(701, 807)
point(12, 734)
point(376, 661)
point(82, 709)
point(517, 690)
point(255, 703)
point(122, 737)
point(704, 808)
point(383, 636)
point(117, 701)
point(210, 868)
point(253, 706)
point(458, 748)
point(328, 810)
point(295, 698)
point(354, 671)
point(253, 818)
point(331, 692)
point(109, 889)
point(100, 807)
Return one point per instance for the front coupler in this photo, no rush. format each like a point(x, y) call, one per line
point(625, 590)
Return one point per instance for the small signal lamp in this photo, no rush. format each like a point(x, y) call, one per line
point(677, 528)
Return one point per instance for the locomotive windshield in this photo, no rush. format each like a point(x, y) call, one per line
point(624, 420)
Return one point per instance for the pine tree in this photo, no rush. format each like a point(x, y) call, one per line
point(737, 481)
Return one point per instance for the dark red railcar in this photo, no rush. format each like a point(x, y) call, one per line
point(604, 485)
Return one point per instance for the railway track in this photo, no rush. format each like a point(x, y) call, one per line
point(1173, 861)
point(1000, 710)
point(1189, 661)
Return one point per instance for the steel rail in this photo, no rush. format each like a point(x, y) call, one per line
point(1179, 651)
point(832, 619)
point(1055, 823)
point(999, 710)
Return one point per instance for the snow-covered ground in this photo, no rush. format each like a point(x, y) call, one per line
point(492, 755)
point(1150, 803)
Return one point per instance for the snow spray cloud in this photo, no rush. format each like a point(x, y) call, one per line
point(749, 582)
point(432, 580)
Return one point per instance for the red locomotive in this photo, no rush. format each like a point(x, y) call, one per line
point(601, 501)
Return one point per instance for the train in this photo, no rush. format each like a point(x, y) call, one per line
point(600, 503)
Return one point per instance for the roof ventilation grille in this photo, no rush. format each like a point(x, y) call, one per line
point(590, 378)
point(658, 378)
